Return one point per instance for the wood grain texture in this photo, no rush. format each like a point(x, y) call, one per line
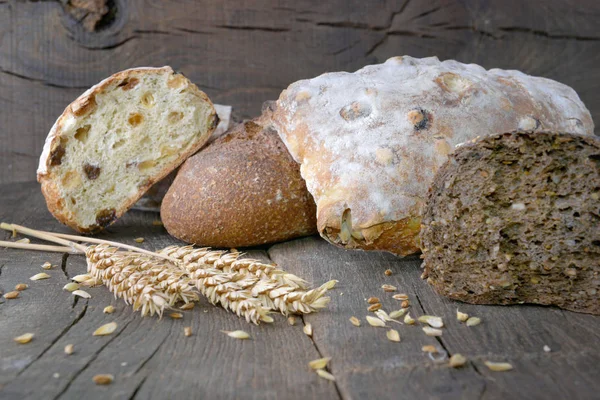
point(151, 358)
point(245, 52)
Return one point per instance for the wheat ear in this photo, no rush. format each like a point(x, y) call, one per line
point(145, 282)
point(275, 288)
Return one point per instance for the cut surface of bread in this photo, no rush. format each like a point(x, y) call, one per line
point(515, 218)
point(117, 139)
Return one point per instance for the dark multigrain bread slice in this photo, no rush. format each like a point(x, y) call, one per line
point(515, 218)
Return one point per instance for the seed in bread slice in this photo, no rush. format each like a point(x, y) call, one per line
point(117, 139)
point(515, 218)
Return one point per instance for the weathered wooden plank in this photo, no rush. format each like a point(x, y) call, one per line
point(149, 358)
point(367, 365)
point(244, 53)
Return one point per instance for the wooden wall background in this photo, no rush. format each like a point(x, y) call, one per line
point(245, 52)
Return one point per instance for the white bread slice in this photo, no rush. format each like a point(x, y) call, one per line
point(116, 140)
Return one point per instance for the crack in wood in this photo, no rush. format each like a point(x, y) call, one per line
point(63, 265)
point(321, 355)
point(138, 387)
point(90, 361)
point(438, 338)
point(43, 82)
point(53, 342)
point(253, 28)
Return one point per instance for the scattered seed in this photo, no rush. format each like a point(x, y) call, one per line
point(139, 240)
point(405, 304)
point(429, 349)
point(188, 306)
point(56, 375)
point(187, 331)
point(376, 322)
point(157, 222)
point(11, 295)
point(237, 334)
point(409, 320)
point(393, 335)
point(457, 360)
point(24, 338)
point(472, 321)
point(325, 375)
point(432, 331)
point(308, 330)
point(292, 320)
point(388, 288)
point(108, 310)
point(71, 286)
point(106, 329)
point(176, 315)
point(319, 363)
point(81, 293)
point(388, 272)
point(81, 278)
point(462, 317)
point(355, 321)
point(433, 321)
point(103, 379)
point(331, 284)
point(24, 240)
point(398, 313)
point(373, 300)
point(41, 275)
point(547, 348)
point(21, 286)
point(69, 349)
point(501, 366)
point(400, 296)
point(46, 265)
point(374, 307)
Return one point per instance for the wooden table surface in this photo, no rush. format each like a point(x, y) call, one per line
point(243, 53)
point(152, 359)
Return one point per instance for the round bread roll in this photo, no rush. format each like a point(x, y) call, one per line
point(244, 189)
point(515, 218)
point(117, 139)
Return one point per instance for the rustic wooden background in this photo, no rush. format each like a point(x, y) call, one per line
point(245, 52)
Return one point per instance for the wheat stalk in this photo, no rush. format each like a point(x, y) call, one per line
point(273, 287)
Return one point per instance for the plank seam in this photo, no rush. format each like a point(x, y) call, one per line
point(63, 333)
point(91, 360)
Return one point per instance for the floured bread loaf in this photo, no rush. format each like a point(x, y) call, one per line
point(370, 142)
point(515, 218)
point(243, 189)
point(117, 139)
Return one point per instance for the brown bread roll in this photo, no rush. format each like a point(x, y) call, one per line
point(244, 189)
point(515, 218)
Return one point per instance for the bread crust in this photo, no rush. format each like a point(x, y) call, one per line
point(243, 189)
point(81, 106)
point(370, 142)
point(527, 231)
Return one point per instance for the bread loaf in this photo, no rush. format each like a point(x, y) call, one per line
point(118, 138)
point(243, 189)
point(515, 218)
point(370, 142)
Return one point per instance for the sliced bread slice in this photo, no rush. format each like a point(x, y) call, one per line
point(116, 140)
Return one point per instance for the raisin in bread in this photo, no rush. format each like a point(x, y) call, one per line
point(515, 218)
point(117, 139)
